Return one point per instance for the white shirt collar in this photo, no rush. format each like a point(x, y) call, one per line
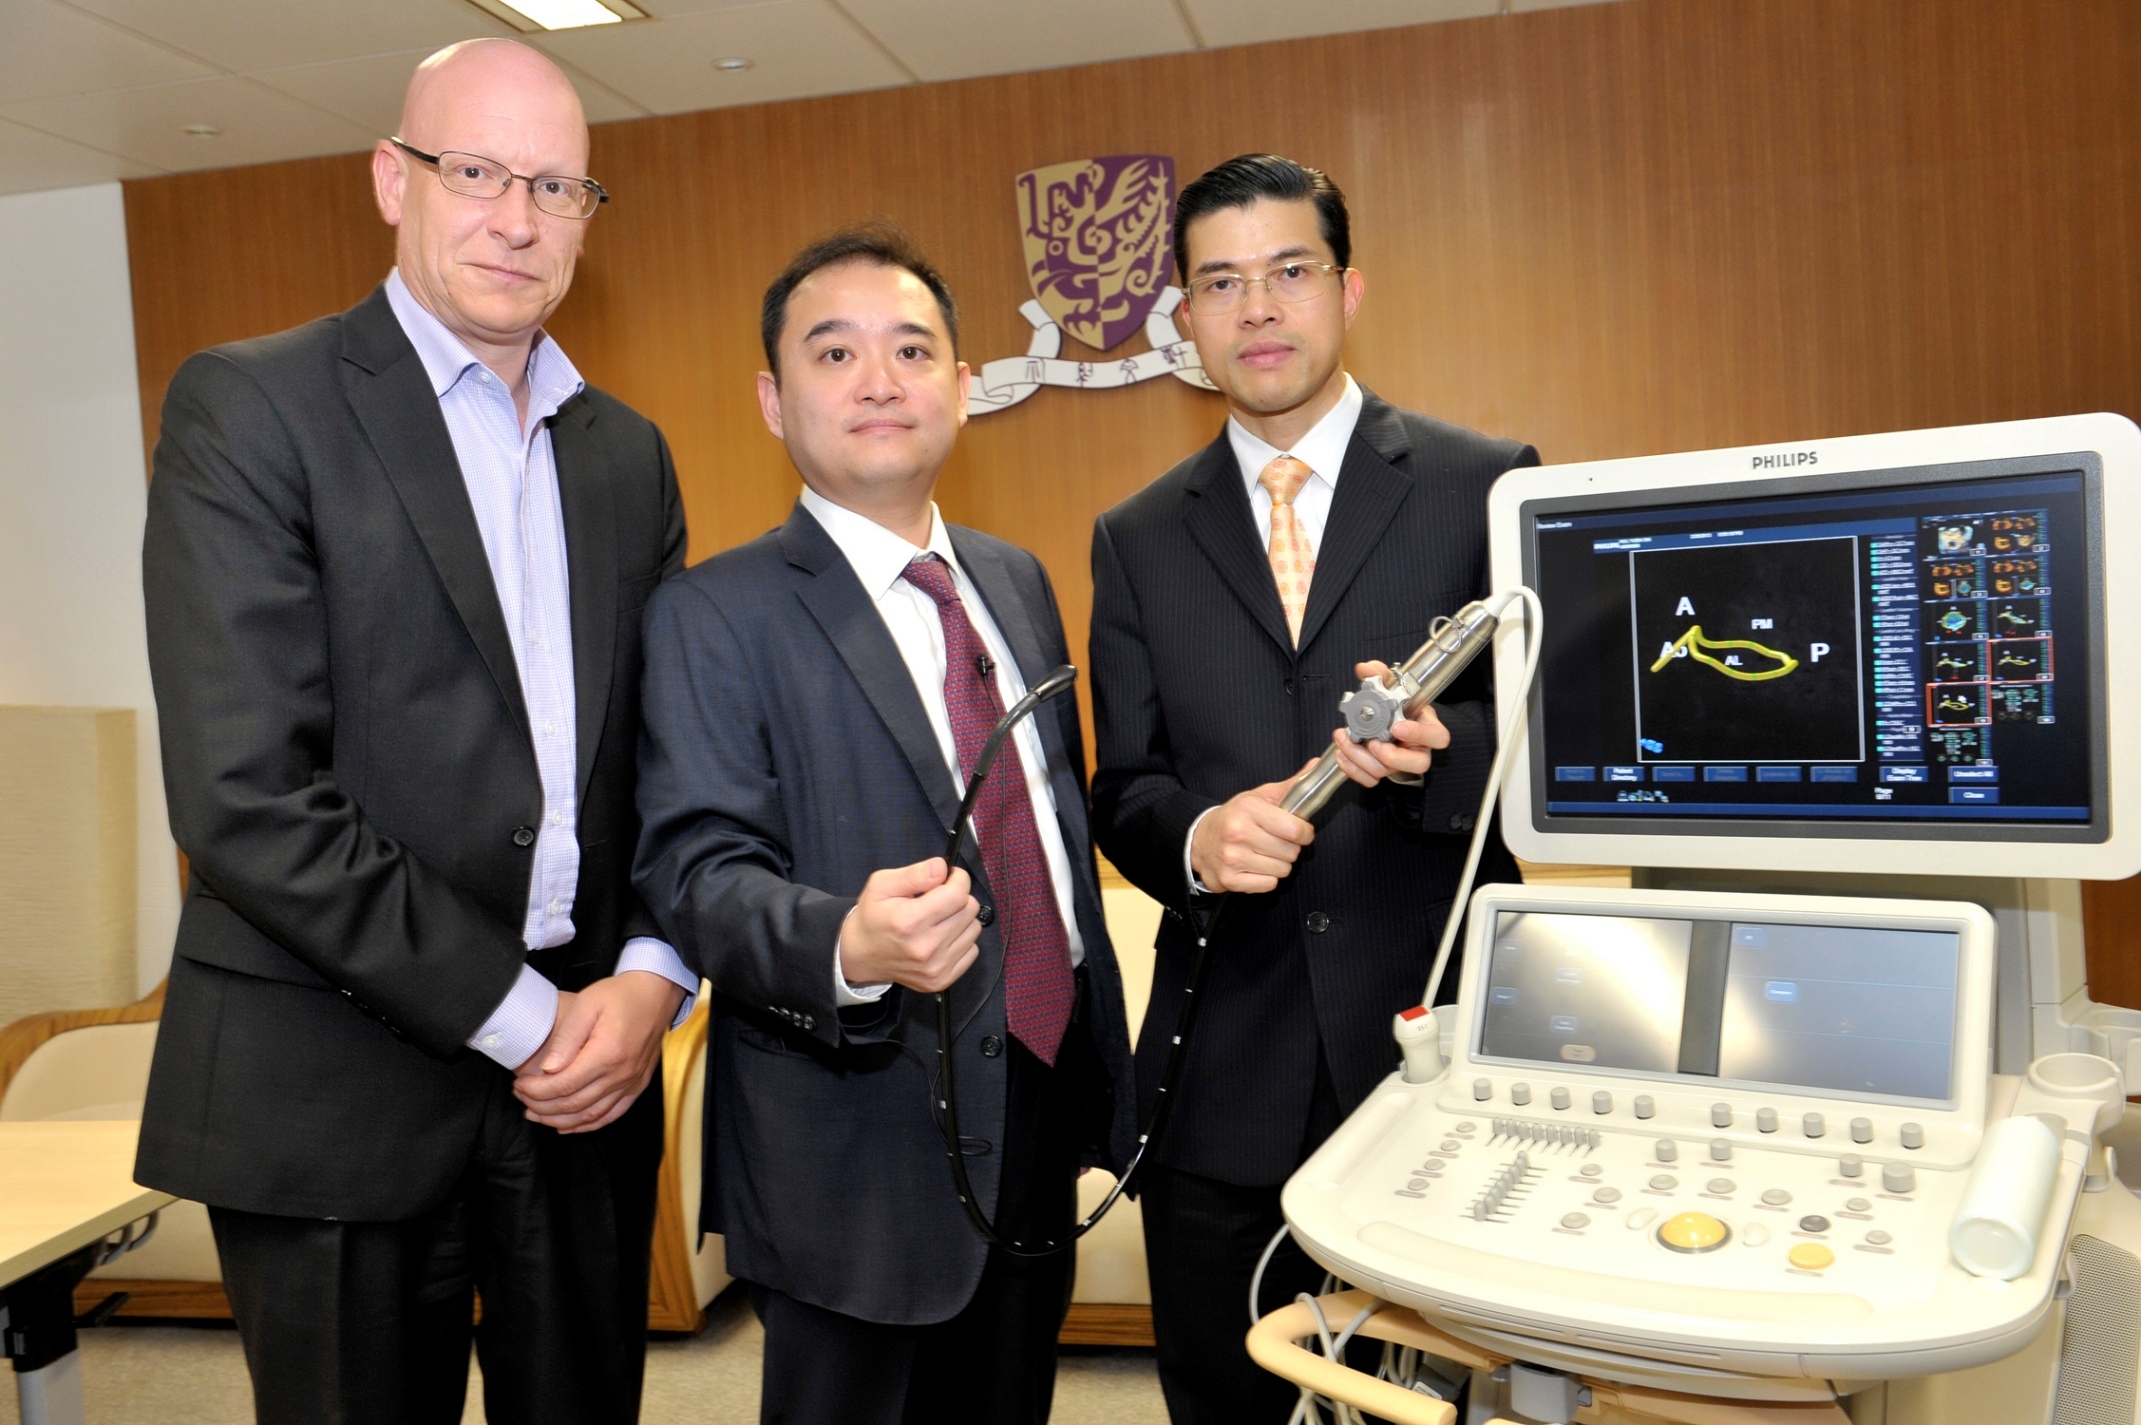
point(552, 378)
point(1322, 450)
point(878, 556)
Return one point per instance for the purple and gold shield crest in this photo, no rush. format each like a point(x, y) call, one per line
point(1098, 234)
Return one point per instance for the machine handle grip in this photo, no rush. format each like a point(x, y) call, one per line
point(1274, 1344)
point(1997, 1223)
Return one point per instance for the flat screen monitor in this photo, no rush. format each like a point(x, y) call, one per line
point(1883, 653)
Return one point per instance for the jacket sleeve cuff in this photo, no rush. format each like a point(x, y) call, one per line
point(521, 1023)
point(658, 957)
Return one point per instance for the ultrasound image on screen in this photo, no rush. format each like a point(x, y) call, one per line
point(1748, 653)
point(1841, 1007)
point(1586, 989)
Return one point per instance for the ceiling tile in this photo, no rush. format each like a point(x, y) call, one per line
point(30, 161)
point(368, 91)
point(956, 39)
point(797, 48)
point(1248, 22)
point(269, 34)
point(664, 9)
point(51, 50)
point(258, 124)
point(602, 103)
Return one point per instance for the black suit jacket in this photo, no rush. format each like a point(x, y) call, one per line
point(786, 756)
point(1199, 693)
point(349, 766)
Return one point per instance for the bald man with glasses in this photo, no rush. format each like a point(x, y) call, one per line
point(394, 569)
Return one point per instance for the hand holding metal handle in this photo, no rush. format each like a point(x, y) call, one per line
point(1372, 709)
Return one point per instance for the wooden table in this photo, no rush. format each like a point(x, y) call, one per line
point(63, 1188)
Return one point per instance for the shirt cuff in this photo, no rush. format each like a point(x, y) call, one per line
point(846, 995)
point(1189, 870)
point(521, 1023)
point(658, 957)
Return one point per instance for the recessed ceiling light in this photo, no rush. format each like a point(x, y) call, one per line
point(201, 131)
point(734, 63)
point(530, 15)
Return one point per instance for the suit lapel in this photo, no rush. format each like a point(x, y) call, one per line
point(400, 413)
point(585, 497)
point(1370, 489)
point(835, 598)
point(1223, 524)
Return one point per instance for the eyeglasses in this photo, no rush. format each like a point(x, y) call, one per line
point(1288, 282)
point(475, 177)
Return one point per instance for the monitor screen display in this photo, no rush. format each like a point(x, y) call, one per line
point(1587, 989)
point(1828, 1008)
point(1908, 651)
point(1841, 1007)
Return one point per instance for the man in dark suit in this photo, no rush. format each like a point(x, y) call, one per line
point(815, 700)
point(395, 565)
point(1236, 599)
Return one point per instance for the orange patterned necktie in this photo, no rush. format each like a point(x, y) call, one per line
point(1293, 563)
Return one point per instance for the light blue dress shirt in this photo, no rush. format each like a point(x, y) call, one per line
point(512, 478)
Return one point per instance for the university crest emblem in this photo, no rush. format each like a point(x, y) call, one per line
point(1098, 235)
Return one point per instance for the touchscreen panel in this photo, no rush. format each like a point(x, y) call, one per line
point(1841, 1007)
point(1607, 991)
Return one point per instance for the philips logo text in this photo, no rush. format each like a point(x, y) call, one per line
point(1789, 460)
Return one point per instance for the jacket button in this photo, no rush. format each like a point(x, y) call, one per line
point(1460, 822)
point(991, 1046)
point(523, 837)
point(987, 914)
point(1318, 922)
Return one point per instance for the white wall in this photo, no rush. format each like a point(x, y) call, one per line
point(73, 494)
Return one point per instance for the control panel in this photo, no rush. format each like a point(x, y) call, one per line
point(1729, 1133)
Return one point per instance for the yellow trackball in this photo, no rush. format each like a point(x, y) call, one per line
point(1694, 1232)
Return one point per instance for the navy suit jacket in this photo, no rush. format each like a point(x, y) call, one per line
point(785, 756)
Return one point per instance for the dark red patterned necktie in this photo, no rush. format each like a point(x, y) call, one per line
point(1037, 969)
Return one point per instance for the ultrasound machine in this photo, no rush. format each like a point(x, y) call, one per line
point(1817, 1121)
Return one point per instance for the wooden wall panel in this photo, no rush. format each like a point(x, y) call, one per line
point(1618, 229)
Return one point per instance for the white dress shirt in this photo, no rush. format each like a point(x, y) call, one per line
point(512, 479)
point(880, 559)
point(1323, 451)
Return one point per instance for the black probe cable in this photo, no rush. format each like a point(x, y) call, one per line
point(1186, 1019)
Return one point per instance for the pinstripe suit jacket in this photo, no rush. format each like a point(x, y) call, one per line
point(785, 756)
point(1198, 694)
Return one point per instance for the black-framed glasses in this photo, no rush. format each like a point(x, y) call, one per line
point(1288, 282)
point(473, 176)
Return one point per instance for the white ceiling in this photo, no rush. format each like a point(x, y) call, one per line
point(92, 90)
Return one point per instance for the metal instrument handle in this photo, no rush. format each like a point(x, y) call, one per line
point(1433, 666)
